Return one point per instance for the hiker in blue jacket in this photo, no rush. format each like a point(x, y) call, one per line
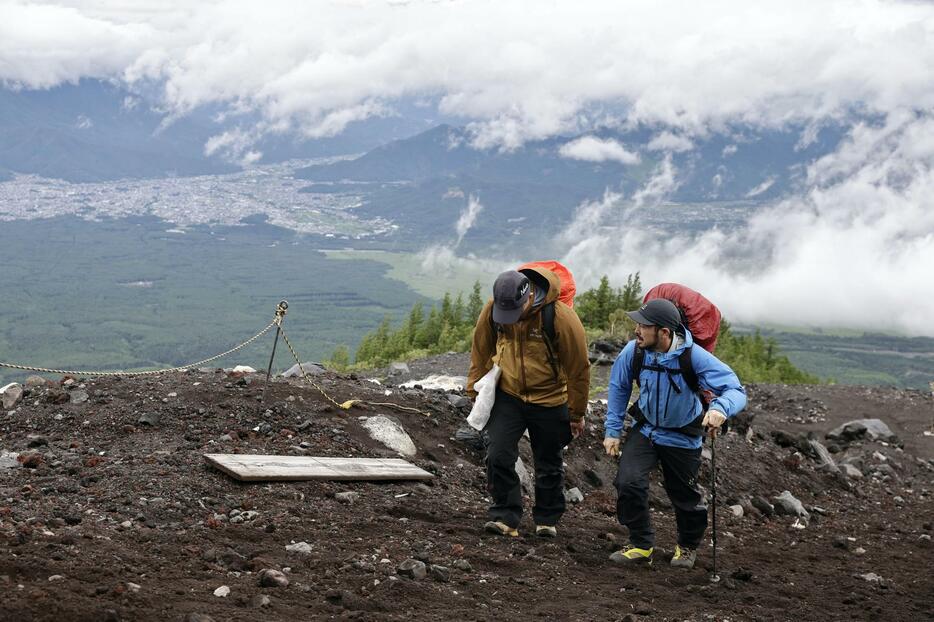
point(669, 421)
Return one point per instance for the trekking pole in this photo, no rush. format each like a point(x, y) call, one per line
point(281, 309)
point(714, 578)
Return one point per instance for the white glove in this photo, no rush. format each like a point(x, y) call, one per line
point(714, 419)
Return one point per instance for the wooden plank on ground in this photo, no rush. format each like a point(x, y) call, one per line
point(253, 468)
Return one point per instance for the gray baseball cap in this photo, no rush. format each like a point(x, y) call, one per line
point(658, 312)
point(510, 293)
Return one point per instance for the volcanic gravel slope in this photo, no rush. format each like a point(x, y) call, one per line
point(106, 518)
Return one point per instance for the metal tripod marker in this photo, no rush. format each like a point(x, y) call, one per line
point(281, 310)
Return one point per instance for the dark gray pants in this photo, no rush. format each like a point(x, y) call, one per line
point(679, 469)
point(549, 430)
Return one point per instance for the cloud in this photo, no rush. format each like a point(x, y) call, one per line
point(662, 183)
point(467, 218)
point(594, 149)
point(589, 217)
point(316, 66)
point(854, 250)
point(667, 141)
point(440, 261)
point(765, 185)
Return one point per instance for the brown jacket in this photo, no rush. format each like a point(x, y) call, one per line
point(521, 353)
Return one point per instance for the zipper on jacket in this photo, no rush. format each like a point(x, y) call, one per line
point(521, 342)
point(667, 399)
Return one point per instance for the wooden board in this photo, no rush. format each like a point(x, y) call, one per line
point(253, 468)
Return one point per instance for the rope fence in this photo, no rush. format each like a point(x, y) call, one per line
point(281, 310)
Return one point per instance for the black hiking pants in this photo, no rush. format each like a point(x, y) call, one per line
point(638, 457)
point(549, 431)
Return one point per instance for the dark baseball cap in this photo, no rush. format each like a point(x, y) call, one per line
point(658, 312)
point(510, 293)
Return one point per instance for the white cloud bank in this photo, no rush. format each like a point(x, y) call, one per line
point(856, 250)
point(541, 69)
point(594, 149)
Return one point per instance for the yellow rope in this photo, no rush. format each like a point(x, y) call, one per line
point(349, 403)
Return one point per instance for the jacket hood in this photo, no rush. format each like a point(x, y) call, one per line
point(542, 277)
point(688, 342)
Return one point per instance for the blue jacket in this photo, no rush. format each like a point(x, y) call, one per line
point(663, 407)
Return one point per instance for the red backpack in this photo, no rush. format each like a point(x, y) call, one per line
point(698, 314)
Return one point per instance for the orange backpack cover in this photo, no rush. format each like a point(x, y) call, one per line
point(568, 288)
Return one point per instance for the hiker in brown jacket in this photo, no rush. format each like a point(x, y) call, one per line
point(539, 344)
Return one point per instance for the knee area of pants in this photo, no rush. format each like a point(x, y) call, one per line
point(502, 459)
point(689, 507)
point(631, 486)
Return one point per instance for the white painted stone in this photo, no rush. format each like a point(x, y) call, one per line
point(390, 434)
point(302, 548)
point(438, 382)
point(8, 459)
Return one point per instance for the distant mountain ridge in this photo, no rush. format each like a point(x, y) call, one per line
point(423, 183)
point(97, 131)
point(733, 165)
point(91, 132)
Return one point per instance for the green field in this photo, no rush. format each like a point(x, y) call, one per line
point(430, 282)
point(127, 294)
point(855, 357)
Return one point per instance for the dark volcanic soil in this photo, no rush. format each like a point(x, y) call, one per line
point(106, 518)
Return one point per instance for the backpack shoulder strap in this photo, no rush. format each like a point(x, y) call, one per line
point(690, 378)
point(550, 336)
point(548, 321)
point(638, 359)
point(687, 370)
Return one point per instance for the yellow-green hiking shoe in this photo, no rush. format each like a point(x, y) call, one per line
point(546, 531)
point(683, 557)
point(632, 555)
point(500, 529)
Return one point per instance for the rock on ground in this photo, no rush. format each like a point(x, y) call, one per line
point(390, 434)
point(11, 395)
point(311, 369)
point(873, 429)
point(786, 503)
point(273, 578)
point(302, 548)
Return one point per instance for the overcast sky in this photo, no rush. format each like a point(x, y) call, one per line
point(856, 247)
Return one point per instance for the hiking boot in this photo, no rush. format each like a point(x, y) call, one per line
point(546, 531)
point(500, 529)
point(632, 555)
point(684, 557)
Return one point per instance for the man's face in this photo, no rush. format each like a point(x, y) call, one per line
point(646, 336)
